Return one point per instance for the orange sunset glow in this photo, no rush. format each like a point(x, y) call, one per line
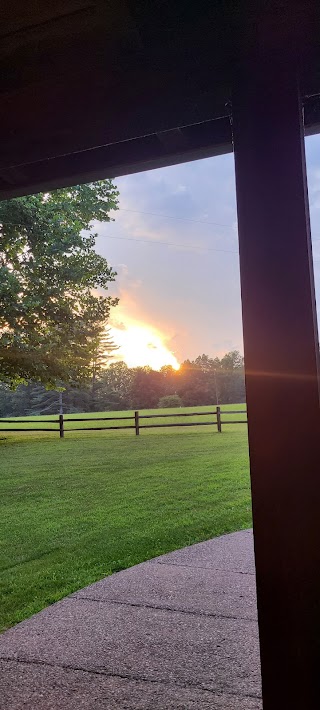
point(141, 345)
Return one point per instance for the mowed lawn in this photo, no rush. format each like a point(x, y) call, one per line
point(77, 509)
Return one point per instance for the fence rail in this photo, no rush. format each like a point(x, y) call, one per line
point(135, 418)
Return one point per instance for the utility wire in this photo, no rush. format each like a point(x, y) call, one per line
point(187, 219)
point(154, 241)
point(158, 241)
point(170, 244)
point(164, 216)
point(168, 216)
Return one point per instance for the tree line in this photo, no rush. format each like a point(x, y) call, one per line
point(203, 381)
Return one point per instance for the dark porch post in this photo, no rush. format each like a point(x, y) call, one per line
point(281, 357)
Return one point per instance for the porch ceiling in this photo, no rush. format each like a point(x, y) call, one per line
point(90, 88)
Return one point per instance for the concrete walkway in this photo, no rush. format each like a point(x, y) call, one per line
point(178, 632)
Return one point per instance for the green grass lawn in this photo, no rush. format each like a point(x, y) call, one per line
point(78, 509)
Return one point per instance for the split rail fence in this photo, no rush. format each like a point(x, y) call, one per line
point(136, 419)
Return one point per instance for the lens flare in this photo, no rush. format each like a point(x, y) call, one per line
point(141, 345)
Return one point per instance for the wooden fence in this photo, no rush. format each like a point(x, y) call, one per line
point(135, 418)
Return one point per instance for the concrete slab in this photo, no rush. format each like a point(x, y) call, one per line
point(214, 653)
point(229, 553)
point(176, 632)
point(179, 588)
point(26, 687)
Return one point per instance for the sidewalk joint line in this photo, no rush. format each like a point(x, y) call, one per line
point(127, 676)
point(143, 605)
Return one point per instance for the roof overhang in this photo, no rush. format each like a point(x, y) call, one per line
point(90, 89)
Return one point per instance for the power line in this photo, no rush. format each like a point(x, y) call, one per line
point(168, 216)
point(158, 214)
point(151, 241)
point(187, 219)
point(158, 241)
point(170, 244)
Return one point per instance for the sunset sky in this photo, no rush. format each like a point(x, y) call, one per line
point(174, 245)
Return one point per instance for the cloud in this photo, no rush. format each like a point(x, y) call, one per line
point(179, 189)
point(191, 294)
point(179, 289)
point(118, 324)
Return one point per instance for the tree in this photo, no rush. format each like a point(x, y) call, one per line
point(231, 377)
point(102, 348)
point(117, 386)
point(169, 379)
point(51, 316)
point(170, 400)
point(146, 387)
point(114, 387)
point(193, 386)
point(206, 380)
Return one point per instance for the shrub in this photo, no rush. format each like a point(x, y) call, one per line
point(170, 400)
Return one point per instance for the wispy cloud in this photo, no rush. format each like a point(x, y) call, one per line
point(169, 275)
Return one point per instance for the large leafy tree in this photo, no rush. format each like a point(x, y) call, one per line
point(53, 309)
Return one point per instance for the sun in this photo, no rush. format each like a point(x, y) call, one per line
point(141, 345)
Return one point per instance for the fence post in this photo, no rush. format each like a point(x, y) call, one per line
point(219, 419)
point(136, 421)
point(61, 427)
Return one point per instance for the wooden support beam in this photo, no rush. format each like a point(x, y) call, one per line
point(281, 359)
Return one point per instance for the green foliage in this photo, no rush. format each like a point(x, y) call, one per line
point(75, 510)
point(170, 400)
point(114, 387)
point(146, 385)
point(50, 318)
point(102, 348)
point(204, 381)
